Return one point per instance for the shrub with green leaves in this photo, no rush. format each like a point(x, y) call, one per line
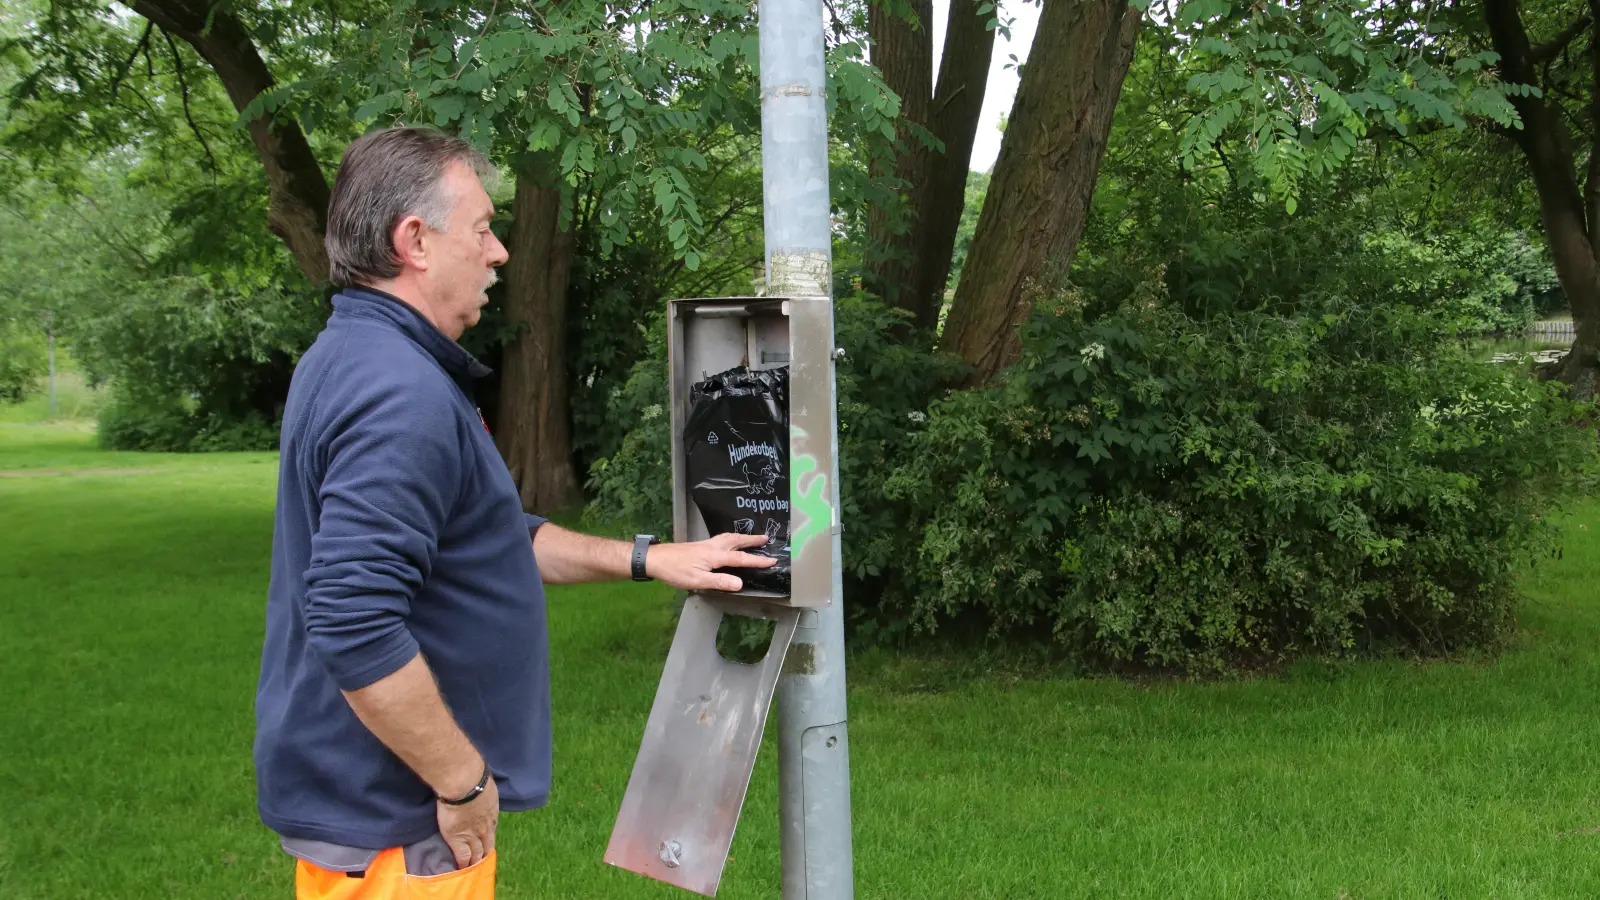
point(145, 423)
point(195, 365)
point(1168, 491)
point(1161, 489)
point(1491, 283)
point(153, 423)
point(22, 361)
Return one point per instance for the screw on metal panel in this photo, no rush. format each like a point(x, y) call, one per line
point(833, 742)
point(671, 854)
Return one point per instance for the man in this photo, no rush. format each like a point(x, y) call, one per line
point(404, 696)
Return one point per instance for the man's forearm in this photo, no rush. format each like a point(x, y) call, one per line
point(406, 712)
point(567, 557)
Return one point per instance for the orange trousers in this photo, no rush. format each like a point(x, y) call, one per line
point(386, 879)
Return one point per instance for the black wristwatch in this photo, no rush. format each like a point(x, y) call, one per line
point(641, 546)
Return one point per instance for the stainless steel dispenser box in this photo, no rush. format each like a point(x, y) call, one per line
point(710, 336)
point(683, 800)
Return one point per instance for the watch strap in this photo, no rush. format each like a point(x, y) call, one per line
point(641, 547)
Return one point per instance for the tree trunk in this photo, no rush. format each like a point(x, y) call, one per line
point(910, 241)
point(903, 52)
point(535, 421)
point(957, 103)
point(297, 208)
point(1044, 179)
point(1568, 213)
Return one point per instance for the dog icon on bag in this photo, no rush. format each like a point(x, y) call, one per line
point(761, 476)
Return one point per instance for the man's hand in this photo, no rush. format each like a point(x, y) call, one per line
point(469, 828)
point(689, 566)
point(406, 712)
point(567, 557)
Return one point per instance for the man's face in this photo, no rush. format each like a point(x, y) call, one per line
point(463, 257)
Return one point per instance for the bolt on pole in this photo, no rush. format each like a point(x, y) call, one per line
point(813, 742)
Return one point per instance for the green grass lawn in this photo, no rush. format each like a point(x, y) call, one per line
point(130, 622)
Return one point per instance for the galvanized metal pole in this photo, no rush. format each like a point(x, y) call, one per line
point(813, 744)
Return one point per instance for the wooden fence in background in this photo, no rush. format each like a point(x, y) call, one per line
point(1552, 332)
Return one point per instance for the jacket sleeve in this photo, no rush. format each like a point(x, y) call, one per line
point(392, 475)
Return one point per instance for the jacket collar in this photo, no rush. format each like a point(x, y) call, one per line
point(371, 303)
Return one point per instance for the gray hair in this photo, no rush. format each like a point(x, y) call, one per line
point(385, 176)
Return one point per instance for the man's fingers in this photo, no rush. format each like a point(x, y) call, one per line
point(730, 583)
point(732, 541)
point(461, 849)
point(746, 561)
point(487, 836)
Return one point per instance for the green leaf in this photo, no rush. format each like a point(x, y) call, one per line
point(1200, 10)
point(379, 104)
point(446, 109)
point(545, 135)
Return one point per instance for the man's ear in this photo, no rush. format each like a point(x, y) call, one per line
point(410, 243)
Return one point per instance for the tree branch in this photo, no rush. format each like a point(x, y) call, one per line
point(122, 242)
point(1233, 179)
point(487, 20)
point(1510, 40)
point(122, 72)
point(1547, 51)
point(839, 29)
point(188, 115)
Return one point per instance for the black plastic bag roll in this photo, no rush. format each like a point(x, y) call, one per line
point(736, 446)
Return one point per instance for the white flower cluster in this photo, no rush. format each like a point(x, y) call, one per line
point(1093, 351)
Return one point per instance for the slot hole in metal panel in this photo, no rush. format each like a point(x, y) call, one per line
point(741, 639)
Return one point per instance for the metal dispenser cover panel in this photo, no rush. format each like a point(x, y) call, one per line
point(682, 804)
point(688, 784)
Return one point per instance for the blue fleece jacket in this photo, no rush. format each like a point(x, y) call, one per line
point(398, 530)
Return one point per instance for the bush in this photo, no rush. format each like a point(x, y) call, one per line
point(219, 434)
point(147, 424)
point(633, 486)
point(155, 424)
point(1496, 283)
point(1159, 488)
point(1165, 490)
point(23, 361)
point(196, 365)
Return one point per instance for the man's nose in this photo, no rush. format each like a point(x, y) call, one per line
point(497, 252)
